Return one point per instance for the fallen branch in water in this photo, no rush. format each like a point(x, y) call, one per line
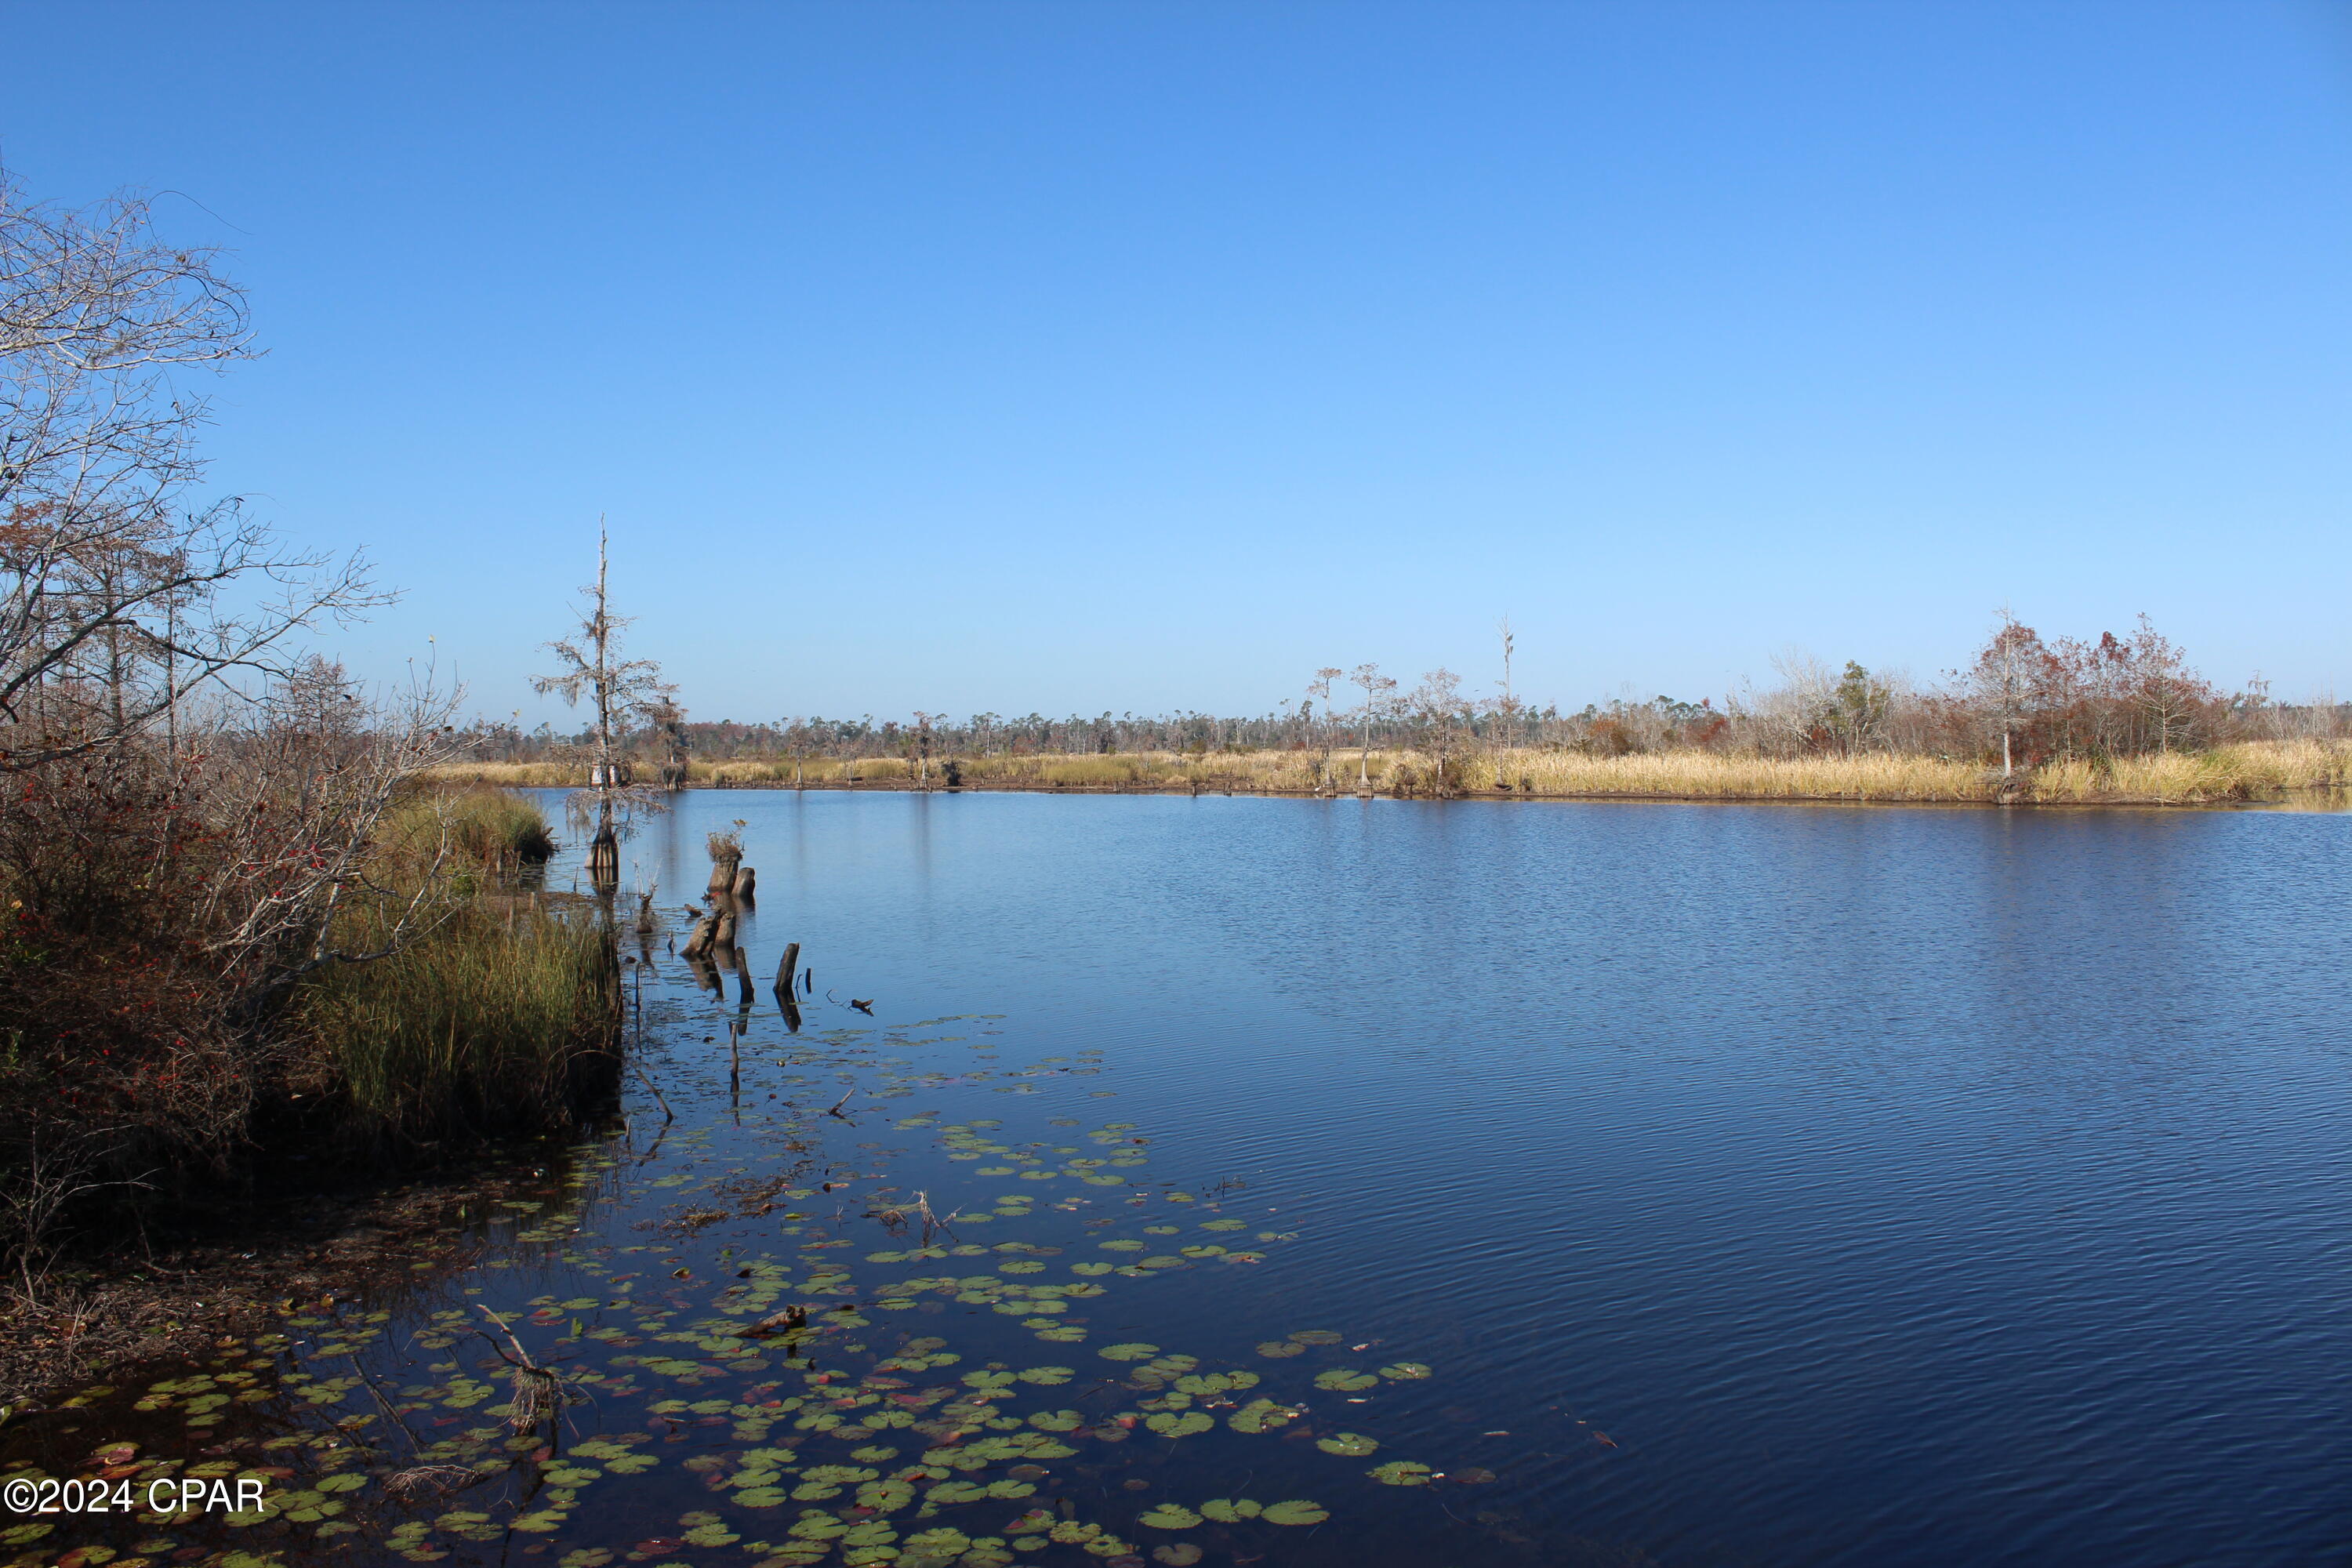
point(641, 1079)
point(536, 1396)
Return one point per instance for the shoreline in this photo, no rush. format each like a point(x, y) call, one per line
point(2231, 793)
point(106, 1312)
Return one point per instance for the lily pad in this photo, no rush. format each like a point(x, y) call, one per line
point(1348, 1445)
point(1259, 1415)
point(1128, 1352)
point(1405, 1372)
point(1344, 1379)
point(1400, 1473)
point(1297, 1511)
point(1169, 1516)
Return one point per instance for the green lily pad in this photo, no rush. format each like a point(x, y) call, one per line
point(1260, 1415)
point(1174, 1424)
point(1230, 1510)
point(1169, 1516)
point(1400, 1473)
point(1296, 1511)
point(1405, 1372)
point(1348, 1445)
point(1344, 1379)
point(1128, 1352)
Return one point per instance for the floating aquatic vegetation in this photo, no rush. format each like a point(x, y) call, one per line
point(787, 1353)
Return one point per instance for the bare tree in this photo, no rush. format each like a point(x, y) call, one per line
point(619, 688)
point(1506, 710)
point(117, 602)
point(1378, 697)
point(1443, 715)
point(2007, 672)
point(1320, 731)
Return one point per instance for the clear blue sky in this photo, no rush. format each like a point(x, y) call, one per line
point(1078, 356)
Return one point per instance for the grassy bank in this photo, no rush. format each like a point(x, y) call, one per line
point(133, 1079)
point(2252, 771)
point(496, 1017)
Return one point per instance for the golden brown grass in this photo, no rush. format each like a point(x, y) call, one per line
point(2253, 770)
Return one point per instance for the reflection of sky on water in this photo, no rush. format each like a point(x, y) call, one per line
point(1928, 1186)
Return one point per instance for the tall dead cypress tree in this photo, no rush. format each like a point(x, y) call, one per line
point(621, 689)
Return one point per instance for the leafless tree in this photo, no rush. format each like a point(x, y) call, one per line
point(1443, 716)
point(620, 689)
point(118, 601)
point(1319, 729)
point(299, 782)
point(2004, 679)
point(1378, 697)
point(1507, 706)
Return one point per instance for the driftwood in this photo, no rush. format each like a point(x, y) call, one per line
point(745, 881)
point(788, 971)
point(706, 933)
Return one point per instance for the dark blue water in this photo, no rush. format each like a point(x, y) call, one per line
point(1888, 1185)
point(1766, 1185)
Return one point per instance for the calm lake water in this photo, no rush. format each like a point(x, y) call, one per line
point(1681, 1184)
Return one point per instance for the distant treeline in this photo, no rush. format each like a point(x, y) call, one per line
point(2022, 700)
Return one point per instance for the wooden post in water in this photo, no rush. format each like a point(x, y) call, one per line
point(746, 880)
point(788, 972)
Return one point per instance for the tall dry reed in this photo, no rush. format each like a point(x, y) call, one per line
point(2245, 771)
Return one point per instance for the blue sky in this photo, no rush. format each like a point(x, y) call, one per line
point(1078, 356)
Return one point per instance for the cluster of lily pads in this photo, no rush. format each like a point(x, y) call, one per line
point(845, 1437)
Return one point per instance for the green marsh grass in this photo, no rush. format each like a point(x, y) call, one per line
point(499, 1017)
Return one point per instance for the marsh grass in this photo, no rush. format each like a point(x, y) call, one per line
point(503, 1017)
point(499, 1017)
point(2246, 771)
point(482, 826)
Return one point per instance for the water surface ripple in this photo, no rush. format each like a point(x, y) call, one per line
point(1764, 1184)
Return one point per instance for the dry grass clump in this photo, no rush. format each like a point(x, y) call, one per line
point(510, 775)
point(1709, 775)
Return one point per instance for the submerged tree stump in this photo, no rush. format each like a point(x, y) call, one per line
point(745, 881)
point(604, 861)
